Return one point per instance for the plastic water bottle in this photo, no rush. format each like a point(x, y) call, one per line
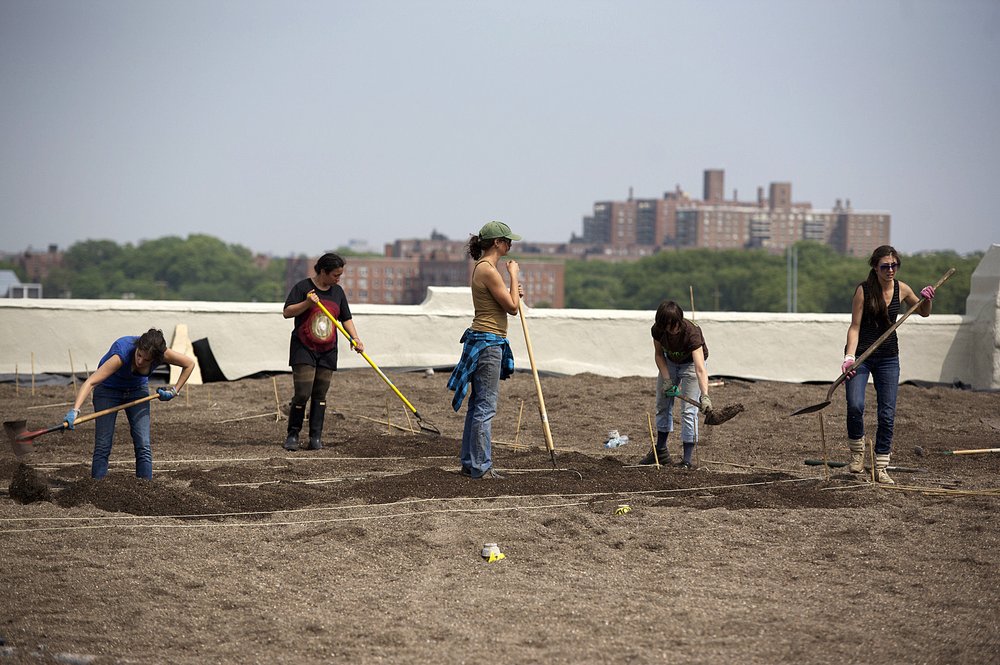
point(615, 440)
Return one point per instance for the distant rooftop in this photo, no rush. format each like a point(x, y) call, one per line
point(7, 280)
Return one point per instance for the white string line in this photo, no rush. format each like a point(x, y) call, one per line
point(359, 518)
point(394, 503)
point(158, 461)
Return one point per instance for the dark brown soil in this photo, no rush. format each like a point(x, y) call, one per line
point(369, 550)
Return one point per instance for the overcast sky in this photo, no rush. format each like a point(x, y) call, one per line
point(295, 127)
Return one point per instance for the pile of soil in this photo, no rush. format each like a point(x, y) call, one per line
point(369, 549)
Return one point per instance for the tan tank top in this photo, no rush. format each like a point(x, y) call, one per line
point(490, 316)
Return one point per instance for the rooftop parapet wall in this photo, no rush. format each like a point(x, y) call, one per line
point(247, 338)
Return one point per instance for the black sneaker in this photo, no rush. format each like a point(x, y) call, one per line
point(315, 443)
point(466, 471)
point(664, 458)
point(683, 465)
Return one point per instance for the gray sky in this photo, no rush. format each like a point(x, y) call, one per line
point(293, 127)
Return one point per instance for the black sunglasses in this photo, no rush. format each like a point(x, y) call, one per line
point(886, 267)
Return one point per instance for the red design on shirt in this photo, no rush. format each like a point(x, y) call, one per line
point(317, 332)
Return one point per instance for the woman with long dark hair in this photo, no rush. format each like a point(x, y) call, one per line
point(312, 351)
point(486, 355)
point(680, 352)
point(874, 309)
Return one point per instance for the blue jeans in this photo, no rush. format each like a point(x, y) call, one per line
point(885, 375)
point(104, 432)
point(477, 456)
point(682, 375)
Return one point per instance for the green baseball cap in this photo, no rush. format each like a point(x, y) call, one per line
point(496, 229)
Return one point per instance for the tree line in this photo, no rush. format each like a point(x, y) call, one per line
point(754, 280)
point(202, 267)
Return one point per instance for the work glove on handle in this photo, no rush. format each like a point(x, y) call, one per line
point(672, 391)
point(71, 418)
point(706, 404)
point(848, 361)
point(166, 394)
point(927, 292)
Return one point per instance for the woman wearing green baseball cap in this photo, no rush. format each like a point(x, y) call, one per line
point(486, 355)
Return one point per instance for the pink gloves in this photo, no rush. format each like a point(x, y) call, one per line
point(927, 292)
point(848, 361)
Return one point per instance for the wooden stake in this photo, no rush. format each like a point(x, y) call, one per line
point(17, 381)
point(376, 420)
point(234, 420)
point(48, 406)
point(691, 289)
point(32, 373)
point(656, 456)
point(277, 401)
point(517, 432)
point(822, 438)
point(72, 371)
point(971, 451)
point(874, 475)
point(388, 421)
point(409, 423)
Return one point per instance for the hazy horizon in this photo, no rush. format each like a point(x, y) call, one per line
point(293, 128)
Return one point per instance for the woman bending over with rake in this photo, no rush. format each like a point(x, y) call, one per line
point(486, 356)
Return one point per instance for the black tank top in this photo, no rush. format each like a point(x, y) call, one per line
point(871, 329)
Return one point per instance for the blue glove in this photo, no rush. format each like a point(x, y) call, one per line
point(166, 394)
point(672, 391)
point(71, 418)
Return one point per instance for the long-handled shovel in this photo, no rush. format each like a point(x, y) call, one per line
point(424, 425)
point(870, 350)
point(21, 441)
point(538, 389)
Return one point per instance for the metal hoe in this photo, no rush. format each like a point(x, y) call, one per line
point(21, 441)
point(424, 426)
point(870, 350)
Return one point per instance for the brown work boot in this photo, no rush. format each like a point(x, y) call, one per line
point(857, 447)
point(882, 470)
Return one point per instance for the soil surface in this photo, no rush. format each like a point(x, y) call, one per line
point(369, 550)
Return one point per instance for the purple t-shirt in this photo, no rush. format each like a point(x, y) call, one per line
point(124, 378)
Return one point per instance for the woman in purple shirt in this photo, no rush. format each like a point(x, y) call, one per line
point(122, 377)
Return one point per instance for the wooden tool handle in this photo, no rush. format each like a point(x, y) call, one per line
point(884, 336)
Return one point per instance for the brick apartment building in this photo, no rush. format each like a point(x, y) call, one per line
point(402, 275)
point(637, 227)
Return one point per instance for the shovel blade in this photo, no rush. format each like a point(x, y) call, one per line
point(14, 431)
point(719, 416)
point(812, 409)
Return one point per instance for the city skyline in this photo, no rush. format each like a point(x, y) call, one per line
point(293, 129)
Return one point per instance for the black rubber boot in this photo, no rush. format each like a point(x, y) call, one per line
point(662, 456)
point(296, 415)
point(317, 411)
point(686, 462)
